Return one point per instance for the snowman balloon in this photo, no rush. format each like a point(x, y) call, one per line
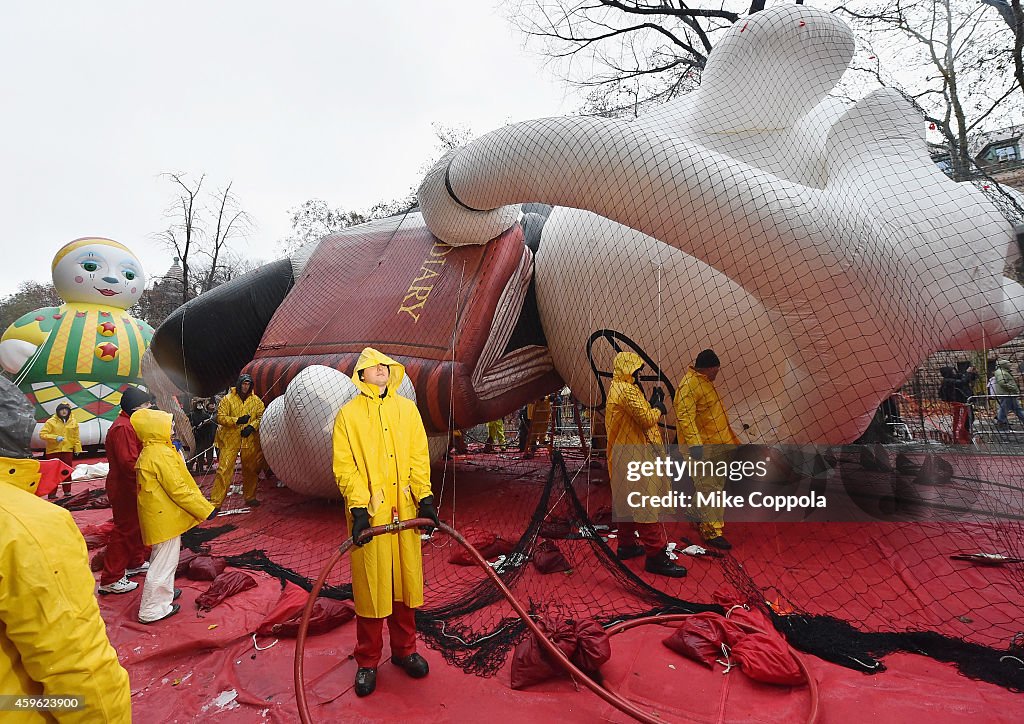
point(87, 350)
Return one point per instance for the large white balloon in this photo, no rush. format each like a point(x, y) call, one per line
point(816, 246)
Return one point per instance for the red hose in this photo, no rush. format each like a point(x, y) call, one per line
point(607, 695)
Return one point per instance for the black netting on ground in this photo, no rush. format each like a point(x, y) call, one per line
point(847, 592)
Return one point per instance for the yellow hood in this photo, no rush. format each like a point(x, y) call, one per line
point(370, 357)
point(21, 473)
point(626, 363)
point(152, 426)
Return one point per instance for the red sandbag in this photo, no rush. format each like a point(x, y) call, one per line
point(488, 544)
point(185, 559)
point(593, 645)
point(700, 638)
point(531, 663)
point(549, 559)
point(205, 568)
point(766, 657)
point(225, 585)
point(291, 602)
point(96, 536)
point(85, 500)
point(327, 614)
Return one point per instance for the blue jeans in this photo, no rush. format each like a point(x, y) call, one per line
point(1008, 404)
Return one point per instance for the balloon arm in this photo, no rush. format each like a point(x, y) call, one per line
point(14, 353)
point(649, 182)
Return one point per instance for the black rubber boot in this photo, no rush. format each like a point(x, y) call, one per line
point(718, 542)
point(366, 681)
point(662, 565)
point(414, 665)
point(625, 552)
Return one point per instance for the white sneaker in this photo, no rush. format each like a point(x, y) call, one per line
point(136, 571)
point(121, 586)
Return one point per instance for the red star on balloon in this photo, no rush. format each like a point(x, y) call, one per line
point(106, 351)
point(107, 329)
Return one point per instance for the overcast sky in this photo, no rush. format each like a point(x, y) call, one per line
point(291, 101)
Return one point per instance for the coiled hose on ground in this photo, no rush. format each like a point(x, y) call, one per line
point(553, 651)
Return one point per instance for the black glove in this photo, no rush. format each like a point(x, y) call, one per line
point(658, 400)
point(360, 523)
point(213, 514)
point(697, 452)
point(243, 420)
point(248, 430)
point(429, 510)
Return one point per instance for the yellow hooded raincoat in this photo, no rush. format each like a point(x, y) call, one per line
point(229, 433)
point(52, 639)
point(54, 428)
point(382, 464)
point(170, 502)
point(630, 420)
point(701, 420)
point(700, 414)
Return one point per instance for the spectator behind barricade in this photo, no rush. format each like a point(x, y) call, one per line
point(170, 503)
point(1009, 394)
point(60, 433)
point(126, 555)
point(955, 389)
point(203, 419)
point(53, 642)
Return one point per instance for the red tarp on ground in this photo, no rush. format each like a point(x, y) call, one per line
point(195, 666)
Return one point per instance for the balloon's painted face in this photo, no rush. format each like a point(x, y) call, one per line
point(100, 274)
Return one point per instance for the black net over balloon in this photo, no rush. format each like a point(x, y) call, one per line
point(853, 311)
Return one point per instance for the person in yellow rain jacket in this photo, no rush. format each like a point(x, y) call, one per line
point(238, 417)
point(703, 427)
point(60, 433)
point(52, 639)
point(170, 503)
point(633, 435)
point(382, 467)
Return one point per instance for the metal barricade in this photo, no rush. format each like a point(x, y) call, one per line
point(986, 420)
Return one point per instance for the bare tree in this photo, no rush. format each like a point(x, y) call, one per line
point(627, 53)
point(199, 229)
point(1010, 12)
point(966, 49)
point(183, 233)
point(230, 222)
point(314, 220)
